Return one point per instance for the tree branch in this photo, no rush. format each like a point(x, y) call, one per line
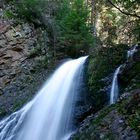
point(123, 12)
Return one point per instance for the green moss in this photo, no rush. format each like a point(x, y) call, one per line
point(121, 106)
point(9, 14)
point(93, 130)
point(130, 109)
point(101, 63)
point(42, 62)
point(18, 104)
point(102, 114)
point(134, 121)
point(35, 51)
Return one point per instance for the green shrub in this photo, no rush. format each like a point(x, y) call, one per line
point(35, 52)
point(75, 35)
point(31, 10)
point(9, 14)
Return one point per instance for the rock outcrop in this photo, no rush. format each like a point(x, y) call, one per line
point(117, 122)
point(15, 43)
point(23, 62)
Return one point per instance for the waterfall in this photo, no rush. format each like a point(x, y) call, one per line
point(48, 116)
point(131, 52)
point(114, 88)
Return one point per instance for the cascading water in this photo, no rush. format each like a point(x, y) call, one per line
point(131, 52)
point(49, 115)
point(114, 87)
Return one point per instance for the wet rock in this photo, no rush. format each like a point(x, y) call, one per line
point(82, 112)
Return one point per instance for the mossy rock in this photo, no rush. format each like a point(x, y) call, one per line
point(102, 62)
point(118, 121)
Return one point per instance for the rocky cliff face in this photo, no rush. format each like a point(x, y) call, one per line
point(15, 45)
point(24, 60)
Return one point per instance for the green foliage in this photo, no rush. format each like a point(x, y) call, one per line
point(75, 31)
point(134, 122)
point(130, 6)
point(101, 63)
point(115, 26)
point(31, 10)
point(35, 52)
point(65, 21)
point(104, 60)
point(9, 14)
point(18, 104)
point(42, 62)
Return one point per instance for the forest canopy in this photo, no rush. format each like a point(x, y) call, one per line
point(85, 23)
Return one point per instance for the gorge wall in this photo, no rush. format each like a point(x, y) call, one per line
point(24, 56)
point(27, 58)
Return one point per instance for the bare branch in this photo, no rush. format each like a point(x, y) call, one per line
point(123, 12)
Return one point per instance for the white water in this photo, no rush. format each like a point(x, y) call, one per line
point(49, 115)
point(131, 52)
point(114, 87)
